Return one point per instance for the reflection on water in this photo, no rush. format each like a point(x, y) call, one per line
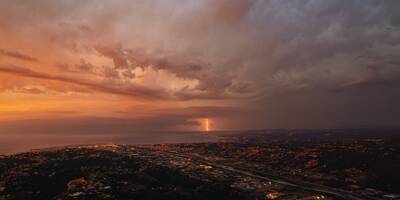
point(15, 143)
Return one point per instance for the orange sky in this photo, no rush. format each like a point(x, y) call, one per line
point(60, 69)
point(65, 64)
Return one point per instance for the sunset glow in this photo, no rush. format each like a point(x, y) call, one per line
point(163, 65)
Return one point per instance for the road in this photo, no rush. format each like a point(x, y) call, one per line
point(338, 193)
point(333, 192)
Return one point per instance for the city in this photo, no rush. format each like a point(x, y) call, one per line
point(287, 168)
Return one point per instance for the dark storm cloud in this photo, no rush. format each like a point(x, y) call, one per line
point(281, 59)
point(271, 45)
point(279, 46)
point(353, 108)
point(317, 44)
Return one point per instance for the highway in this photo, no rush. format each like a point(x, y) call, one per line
point(333, 192)
point(319, 189)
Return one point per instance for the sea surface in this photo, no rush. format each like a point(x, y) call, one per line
point(15, 143)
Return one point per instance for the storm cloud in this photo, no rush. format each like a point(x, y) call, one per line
point(275, 60)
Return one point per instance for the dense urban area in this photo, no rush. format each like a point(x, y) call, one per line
point(252, 165)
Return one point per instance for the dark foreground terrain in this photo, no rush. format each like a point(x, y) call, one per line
point(133, 172)
point(249, 166)
point(99, 173)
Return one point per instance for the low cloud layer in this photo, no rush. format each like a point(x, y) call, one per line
point(16, 55)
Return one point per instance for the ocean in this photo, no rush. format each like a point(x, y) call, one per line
point(15, 143)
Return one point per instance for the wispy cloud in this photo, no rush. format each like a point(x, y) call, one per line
point(128, 90)
point(17, 55)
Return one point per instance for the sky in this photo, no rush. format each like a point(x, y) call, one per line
point(123, 66)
